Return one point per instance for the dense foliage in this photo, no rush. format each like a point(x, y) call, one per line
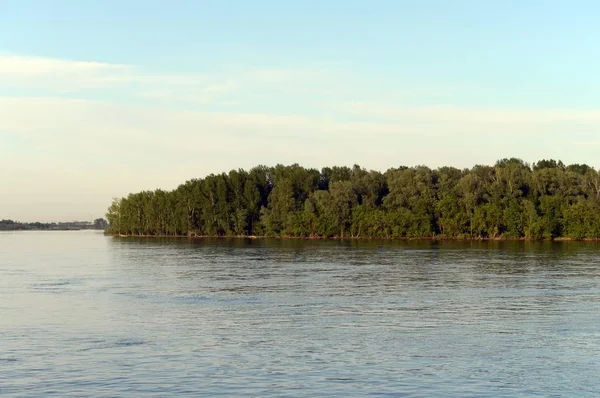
point(509, 200)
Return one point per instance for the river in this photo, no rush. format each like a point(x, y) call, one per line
point(85, 315)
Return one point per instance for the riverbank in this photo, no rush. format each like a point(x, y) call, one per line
point(424, 238)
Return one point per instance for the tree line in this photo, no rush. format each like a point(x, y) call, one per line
point(512, 199)
point(10, 225)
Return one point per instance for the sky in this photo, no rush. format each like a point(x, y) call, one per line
point(102, 98)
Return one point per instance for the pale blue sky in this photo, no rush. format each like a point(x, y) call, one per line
point(100, 98)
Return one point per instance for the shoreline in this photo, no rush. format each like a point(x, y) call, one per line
point(358, 238)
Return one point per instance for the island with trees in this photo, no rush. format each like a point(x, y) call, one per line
point(510, 200)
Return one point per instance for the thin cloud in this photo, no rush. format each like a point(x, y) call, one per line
point(57, 77)
point(591, 143)
point(15, 65)
point(373, 110)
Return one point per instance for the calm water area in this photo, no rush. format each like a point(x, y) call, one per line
point(85, 315)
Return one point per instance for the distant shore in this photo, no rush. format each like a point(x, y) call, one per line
point(9, 225)
point(50, 229)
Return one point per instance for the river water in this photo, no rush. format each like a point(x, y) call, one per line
point(82, 314)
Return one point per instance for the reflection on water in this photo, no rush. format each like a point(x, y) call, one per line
point(83, 314)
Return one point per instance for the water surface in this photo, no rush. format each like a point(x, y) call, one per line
point(86, 315)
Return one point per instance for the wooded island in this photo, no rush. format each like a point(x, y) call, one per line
point(511, 200)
